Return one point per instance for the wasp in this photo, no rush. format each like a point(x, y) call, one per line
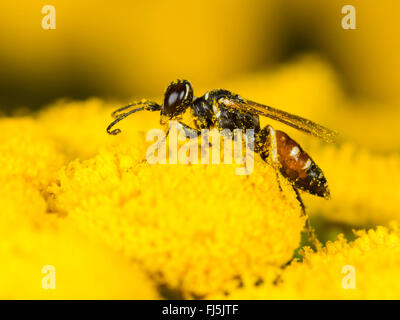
point(223, 109)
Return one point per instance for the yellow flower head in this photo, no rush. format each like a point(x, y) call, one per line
point(192, 227)
point(28, 151)
point(367, 268)
point(115, 226)
point(32, 237)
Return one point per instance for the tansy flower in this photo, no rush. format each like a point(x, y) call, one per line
point(192, 227)
point(32, 239)
point(28, 151)
point(84, 269)
point(115, 226)
point(367, 268)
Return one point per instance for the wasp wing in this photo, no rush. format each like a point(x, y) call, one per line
point(291, 120)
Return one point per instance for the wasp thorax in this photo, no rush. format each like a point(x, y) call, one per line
point(178, 97)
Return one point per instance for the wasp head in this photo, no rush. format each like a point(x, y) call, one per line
point(177, 97)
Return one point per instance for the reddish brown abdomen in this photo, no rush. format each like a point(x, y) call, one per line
point(297, 166)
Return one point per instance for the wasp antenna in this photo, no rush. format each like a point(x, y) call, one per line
point(119, 118)
point(116, 114)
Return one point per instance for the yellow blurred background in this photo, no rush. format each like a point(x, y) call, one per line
point(128, 49)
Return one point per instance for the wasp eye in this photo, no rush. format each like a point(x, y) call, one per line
point(177, 97)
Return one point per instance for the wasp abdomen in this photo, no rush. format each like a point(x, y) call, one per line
point(298, 167)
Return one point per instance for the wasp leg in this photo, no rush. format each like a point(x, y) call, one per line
point(191, 133)
point(274, 154)
point(160, 143)
point(187, 130)
point(164, 139)
point(266, 145)
point(312, 237)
